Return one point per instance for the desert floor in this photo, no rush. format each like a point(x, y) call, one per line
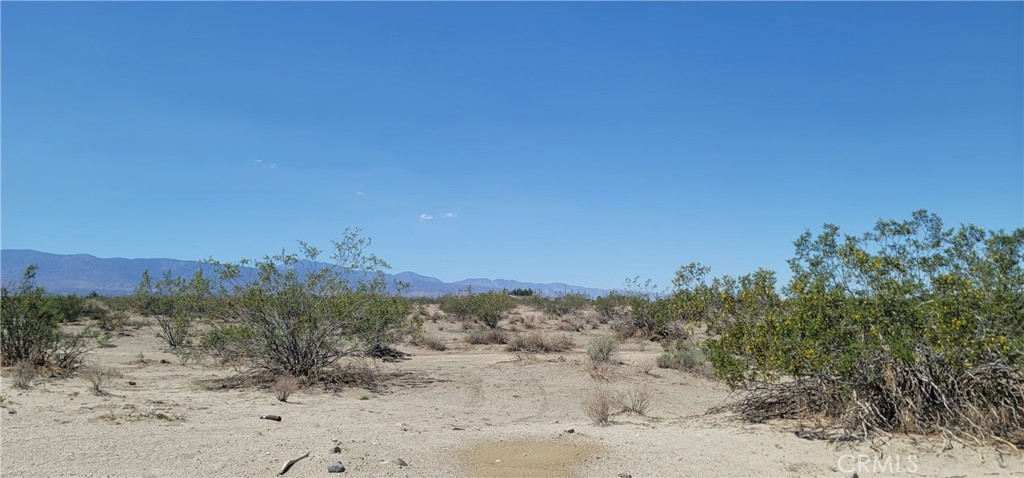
point(471, 410)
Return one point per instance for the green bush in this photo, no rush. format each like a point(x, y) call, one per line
point(293, 315)
point(29, 322)
point(488, 307)
point(566, 304)
point(680, 355)
point(909, 327)
point(69, 307)
point(174, 303)
point(30, 328)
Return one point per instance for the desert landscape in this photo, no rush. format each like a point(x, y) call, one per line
point(469, 410)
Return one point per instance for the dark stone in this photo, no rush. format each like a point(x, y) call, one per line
point(335, 466)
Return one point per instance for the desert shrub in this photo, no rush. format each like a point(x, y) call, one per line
point(598, 406)
point(602, 350)
point(566, 304)
point(23, 373)
point(284, 386)
point(537, 342)
point(482, 335)
point(229, 344)
point(289, 314)
point(29, 322)
point(648, 314)
point(461, 306)
point(908, 327)
point(681, 355)
point(174, 303)
point(521, 292)
point(491, 307)
point(635, 399)
point(98, 376)
point(358, 372)
point(95, 308)
point(488, 307)
point(113, 321)
point(69, 307)
point(434, 342)
point(612, 306)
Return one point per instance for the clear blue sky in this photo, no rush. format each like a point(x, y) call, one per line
point(583, 143)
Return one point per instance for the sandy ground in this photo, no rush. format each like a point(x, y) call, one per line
point(472, 410)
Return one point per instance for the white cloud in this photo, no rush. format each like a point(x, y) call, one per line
point(449, 215)
point(426, 217)
point(359, 193)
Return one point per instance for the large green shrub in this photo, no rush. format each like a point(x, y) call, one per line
point(30, 327)
point(910, 326)
point(30, 324)
point(290, 314)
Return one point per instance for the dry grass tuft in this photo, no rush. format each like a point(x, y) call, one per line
point(636, 399)
point(482, 335)
point(602, 350)
point(537, 342)
point(434, 342)
point(598, 407)
point(23, 374)
point(284, 386)
point(99, 376)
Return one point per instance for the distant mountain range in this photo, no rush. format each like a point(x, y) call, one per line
point(83, 274)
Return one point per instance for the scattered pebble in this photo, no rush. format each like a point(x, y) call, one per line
point(571, 430)
point(399, 462)
point(336, 449)
point(131, 382)
point(335, 466)
point(12, 411)
point(850, 474)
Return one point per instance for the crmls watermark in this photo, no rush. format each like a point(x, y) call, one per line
point(892, 464)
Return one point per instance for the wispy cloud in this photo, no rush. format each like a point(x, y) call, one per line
point(264, 164)
point(426, 217)
point(449, 215)
point(359, 193)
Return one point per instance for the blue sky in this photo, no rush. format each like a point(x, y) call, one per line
point(583, 143)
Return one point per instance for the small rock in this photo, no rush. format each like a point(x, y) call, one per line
point(571, 430)
point(12, 411)
point(625, 475)
point(399, 462)
point(850, 474)
point(271, 417)
point(335, 466)
point(131, 383)
point(165, 361)
point(336, 449)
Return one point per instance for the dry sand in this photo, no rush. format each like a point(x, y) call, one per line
point(472, 410)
